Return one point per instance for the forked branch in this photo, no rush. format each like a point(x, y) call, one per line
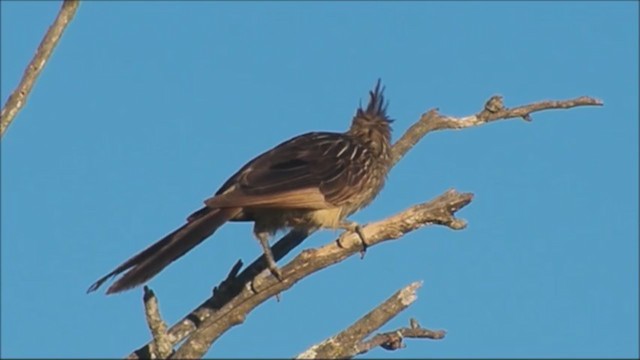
point(350, 342)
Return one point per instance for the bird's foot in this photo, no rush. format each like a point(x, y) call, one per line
point(356, 228)
point(275, 271)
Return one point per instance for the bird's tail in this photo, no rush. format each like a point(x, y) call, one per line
point(156, 257)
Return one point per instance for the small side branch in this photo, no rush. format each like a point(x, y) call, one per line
point(19, 96)
point(393, 340)
point(161, 347)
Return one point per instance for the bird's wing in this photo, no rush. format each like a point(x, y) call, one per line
point(310, 171)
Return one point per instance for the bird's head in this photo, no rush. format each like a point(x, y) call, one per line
point(371, 124)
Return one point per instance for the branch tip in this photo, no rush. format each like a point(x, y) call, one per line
point(458, 224)
point(148, 294)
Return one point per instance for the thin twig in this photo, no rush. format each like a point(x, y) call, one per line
point(393, 340)
point(19, 96)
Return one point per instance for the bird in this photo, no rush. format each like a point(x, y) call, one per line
point(311, 181)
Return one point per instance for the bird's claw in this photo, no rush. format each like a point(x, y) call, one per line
point(275, 271)
point(363, 250)
point(356, 228)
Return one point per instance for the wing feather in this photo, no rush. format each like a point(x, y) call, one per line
point(310, 198)
point(307, 171)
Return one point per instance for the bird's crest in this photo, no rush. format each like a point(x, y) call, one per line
point(377, 108)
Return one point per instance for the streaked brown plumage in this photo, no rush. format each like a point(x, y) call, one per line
point(314, 180)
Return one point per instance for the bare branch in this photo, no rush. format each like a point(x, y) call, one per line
point(161, 347)
point(208, 319)
point(349, 342)
point(19, 96)
point(493, 110)
point(343, 344)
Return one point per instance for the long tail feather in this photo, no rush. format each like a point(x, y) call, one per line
point(156, 257)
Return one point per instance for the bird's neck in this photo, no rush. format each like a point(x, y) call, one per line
point(376, 138)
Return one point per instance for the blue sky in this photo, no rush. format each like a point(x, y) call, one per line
point(145, 109)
